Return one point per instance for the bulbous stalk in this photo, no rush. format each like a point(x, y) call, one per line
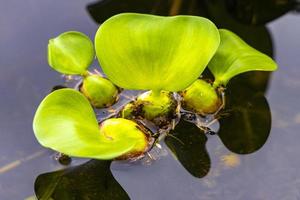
point(201, 98)
point(156, 106)
point(99, 90)
point(115, 128)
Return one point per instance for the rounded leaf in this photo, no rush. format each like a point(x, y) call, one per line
point(234, 56)
point(66, 122)
point(148, 52)
point(70, 53)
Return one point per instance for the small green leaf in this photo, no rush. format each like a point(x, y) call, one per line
point(66, 122)
point(92, 180)
point(70, 53)
point(234, 57)
point(100, 91)
point(139, 51)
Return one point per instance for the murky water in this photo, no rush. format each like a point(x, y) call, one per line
point(271, 172)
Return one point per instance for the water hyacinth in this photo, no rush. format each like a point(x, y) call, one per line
point(164, 56)
point(72, 53)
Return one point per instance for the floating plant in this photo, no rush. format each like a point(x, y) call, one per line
point(72, 53)
point(164, 57)
point(66, 122)
point(232, 58)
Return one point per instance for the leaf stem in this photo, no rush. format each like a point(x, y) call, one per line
point(155, 93)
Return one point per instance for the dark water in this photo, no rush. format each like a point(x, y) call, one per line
point(271, 172)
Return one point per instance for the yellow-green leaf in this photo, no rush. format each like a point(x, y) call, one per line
point(65, 122)
point(234, 56)
point(140, 51)
point(70, 53)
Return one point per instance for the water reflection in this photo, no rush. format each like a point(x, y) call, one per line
point(91, 180)
point(187, 142)
point(246, 123)
point(259, 12)
point(252, 12)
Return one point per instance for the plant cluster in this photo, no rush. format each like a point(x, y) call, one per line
point(164, 56)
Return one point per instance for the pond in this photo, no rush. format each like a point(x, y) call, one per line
point(254, 156)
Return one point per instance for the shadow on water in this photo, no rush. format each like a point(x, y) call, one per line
point(246, 121)
point(259, 12)
point(187, 142)
point(91, 180)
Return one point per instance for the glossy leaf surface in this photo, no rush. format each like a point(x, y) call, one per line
point(234, 57)
point(188, 145)
point(66, 122)
point(92, 180)
point(70, 53)
point(139, 51)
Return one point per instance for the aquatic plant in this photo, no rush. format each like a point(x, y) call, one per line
point(232, 58)
point(72, 53)
point(164, 56)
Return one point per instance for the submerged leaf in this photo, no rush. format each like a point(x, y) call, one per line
point(139, 51)
point(66, 122)
point(246, 126)
point(187, 142)
point(70, 53)
point(234, 57)
point(92, 180)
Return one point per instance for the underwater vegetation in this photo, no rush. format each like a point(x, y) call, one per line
point(164, 57)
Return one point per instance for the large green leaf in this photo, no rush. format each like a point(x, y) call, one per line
point(66, 122)
point(139, 51)
point(234, 57)
point(70, 53)
point(92, 180)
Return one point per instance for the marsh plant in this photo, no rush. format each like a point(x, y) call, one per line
point(163, 56)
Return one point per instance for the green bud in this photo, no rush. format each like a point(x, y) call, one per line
point(158, 107)
point(100, 91)
point(155, 105)
point(200, 97)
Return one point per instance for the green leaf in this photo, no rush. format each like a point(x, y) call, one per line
point(234, 57)
point(70, 53)
point(187, 142)
point(92, 180)
point(139, 51)
point(66, 122)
